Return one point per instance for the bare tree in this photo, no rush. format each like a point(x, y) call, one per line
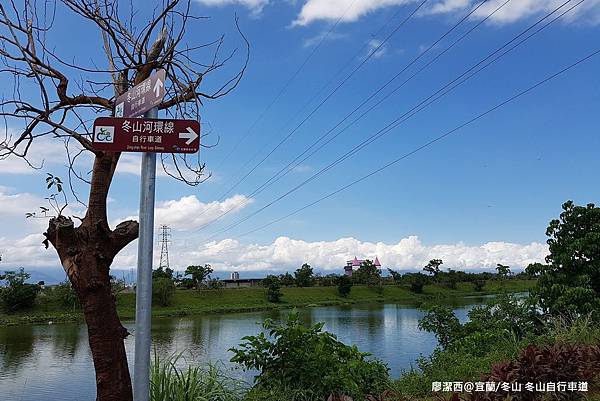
point(54, 98)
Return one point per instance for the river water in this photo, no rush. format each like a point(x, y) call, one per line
point(53, 362)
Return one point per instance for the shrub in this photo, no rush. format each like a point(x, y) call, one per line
point(550, 363)
point(441, 321)
point(295, 358)
point(416, 281)
point(64, 294)
point(478, 285)
point(162, 291)
point(344, 285)
point(273, 286)
point(214, 284)
point(17, 294)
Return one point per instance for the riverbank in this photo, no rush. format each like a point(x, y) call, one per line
point(192, 302)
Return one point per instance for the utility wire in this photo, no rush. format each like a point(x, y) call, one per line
point(285, 86)
point(419, 107)
point(428, 144)
point(278, 175)
point(320, 104)
point(331, 79)
point(282, 172)
point(321, 90)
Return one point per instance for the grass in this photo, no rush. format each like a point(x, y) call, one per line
point(190, 302)
point(170, 383)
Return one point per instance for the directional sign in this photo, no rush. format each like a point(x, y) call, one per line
point(147, 94)
point(146, 135)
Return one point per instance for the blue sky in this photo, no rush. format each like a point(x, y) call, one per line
point(480, 197)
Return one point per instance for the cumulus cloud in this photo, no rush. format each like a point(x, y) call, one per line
point(17, 204)
point(587, 12)
point(286, 253)
point(188, 212)
point(26, 252)
point(315, 10)
point(43, 153)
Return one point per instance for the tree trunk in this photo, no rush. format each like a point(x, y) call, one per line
point(86, 253)
point(105, 336)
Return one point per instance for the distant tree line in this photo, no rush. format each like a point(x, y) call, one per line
point(368, 274)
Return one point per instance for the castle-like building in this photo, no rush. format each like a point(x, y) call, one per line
point(355, 263)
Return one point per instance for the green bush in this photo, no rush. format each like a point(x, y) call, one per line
point(298, 359)
point(273, 286)
point(441, 321)
point(64, 294)
point(344, 285)
point(478, 285)
point(214, 284)
point(17, 294)
point(163, 290)
point(416, 281)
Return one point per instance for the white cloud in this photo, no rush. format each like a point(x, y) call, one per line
point(13, 208)
point(27, 252)
point(17, 204)
point(287, 254)
point(446, 6)
point(188, 212)
point(256, 6)
point(315, 10)
point(517, 10)
point(303, 168)
point(409, 253)
point(44, 154)
point(376, 47)
point(325, 35)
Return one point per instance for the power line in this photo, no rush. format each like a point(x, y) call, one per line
point(428, 144)
point(419, 107)
point(314, 110)
point(323, 87)
point(285, 86)
point(277, 176)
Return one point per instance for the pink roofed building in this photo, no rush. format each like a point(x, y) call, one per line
point(353, 264)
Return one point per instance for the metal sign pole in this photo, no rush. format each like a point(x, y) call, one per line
point(143, 299)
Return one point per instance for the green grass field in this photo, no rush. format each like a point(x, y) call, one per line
point(188, 302)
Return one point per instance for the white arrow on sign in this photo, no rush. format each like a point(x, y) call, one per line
point(157, 85)
point(190, 135)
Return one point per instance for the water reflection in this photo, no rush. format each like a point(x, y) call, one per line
point(16, 345)
point(51, 362)
point(66, 342)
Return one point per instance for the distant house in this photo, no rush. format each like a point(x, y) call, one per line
point(353, 264)
point(242, 282)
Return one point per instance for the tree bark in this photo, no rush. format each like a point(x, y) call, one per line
point(86, 253)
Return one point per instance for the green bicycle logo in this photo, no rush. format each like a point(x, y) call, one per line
point(104, 134)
